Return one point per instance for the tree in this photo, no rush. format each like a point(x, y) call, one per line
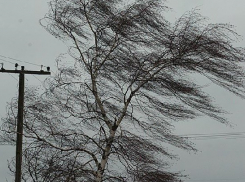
point(107, 116)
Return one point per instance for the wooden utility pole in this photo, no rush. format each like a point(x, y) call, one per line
point(19, 128)
point(22, 73)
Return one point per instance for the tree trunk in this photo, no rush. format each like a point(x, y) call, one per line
point(105, 157)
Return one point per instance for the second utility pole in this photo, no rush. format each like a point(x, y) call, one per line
point(20, 117)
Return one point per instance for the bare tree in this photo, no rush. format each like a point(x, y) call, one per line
point(107, 115)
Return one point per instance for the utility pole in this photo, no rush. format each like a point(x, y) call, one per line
point(21, 73)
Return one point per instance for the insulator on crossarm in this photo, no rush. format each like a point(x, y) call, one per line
point(2, 66)
point(16, 66)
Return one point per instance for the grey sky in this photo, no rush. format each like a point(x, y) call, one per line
point(218, 159)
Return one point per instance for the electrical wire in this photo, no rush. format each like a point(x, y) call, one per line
point(231, 135)
point(7, 61)
point(13, 77)
point(39, 81)
point(6, 57)
point(203, 180)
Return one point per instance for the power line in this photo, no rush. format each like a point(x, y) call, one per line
point(231, 135)
point(6, 57)
point(13, 77)
point(39, 80)
point(7, 61)
point(207, 180)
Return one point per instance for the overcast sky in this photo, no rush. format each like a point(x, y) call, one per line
point(218, 159)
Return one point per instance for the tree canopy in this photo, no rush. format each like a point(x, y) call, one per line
point(107, 114)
